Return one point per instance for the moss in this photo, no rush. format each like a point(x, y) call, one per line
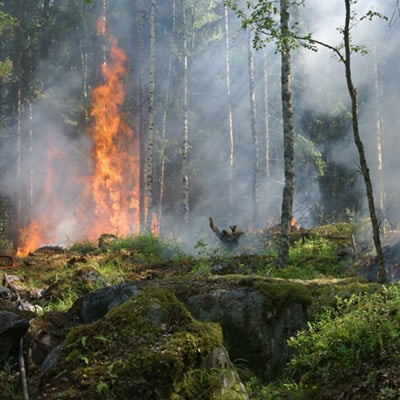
point(78, 283)
point(279, 293)
point(326, 292)
point(150, 338)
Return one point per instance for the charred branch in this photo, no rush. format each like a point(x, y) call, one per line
point(229, 238)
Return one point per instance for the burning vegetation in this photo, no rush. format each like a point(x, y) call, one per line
point(109, 199)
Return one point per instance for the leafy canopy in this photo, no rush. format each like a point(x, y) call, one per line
point(263, 19)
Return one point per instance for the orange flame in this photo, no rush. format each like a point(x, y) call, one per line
point(111, 196)
point(42, 229)
point(115, 180)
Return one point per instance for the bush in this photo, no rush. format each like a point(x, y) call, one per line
point(351, 350)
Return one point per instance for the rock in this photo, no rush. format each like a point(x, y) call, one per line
point(97, 303)
point(148, 348)
point(48, 331)
point(257, 316)
point(51, 359)
point(5, 293)
point(12, 329)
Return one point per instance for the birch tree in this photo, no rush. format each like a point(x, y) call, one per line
point(150, 127)
point(267, 139)
point(271, 23)
point(17, 62)
point(346, 59)
point(231, 144)
point(185, 130)
point(164, 115)
point(288, 135)
point(254, 130)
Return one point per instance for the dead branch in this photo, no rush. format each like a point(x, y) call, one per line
point(229, 238)
point(22, 369)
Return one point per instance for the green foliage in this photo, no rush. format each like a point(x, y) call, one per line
point(273, 391)
point(318, 252)
point(263, 19)
point(63, 303)
point(202, 267)
point(84, 247)
point(305, 272)
point(204, 384)
point(307, 153)
point(351, 349)
point(10, 387)
point(5, 68)
point(7, 21)
point(147, 246)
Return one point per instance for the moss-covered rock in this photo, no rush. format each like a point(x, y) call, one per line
point(150, 347)
point(258, 315)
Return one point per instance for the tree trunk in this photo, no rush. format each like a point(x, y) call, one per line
point(360, 146)
point(45, 39)
point(150, 127)
point(185, 137)
point(229, 113)
point(379, 142)
point(229, 116)
point(164, 117)
point(31, 171)
point(288, 138)
point(18, 118)
point(267, 160)
point(103, 34)
point(254, 132)
point(142, 17)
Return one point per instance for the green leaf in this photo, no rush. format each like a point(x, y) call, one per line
point(84, 340)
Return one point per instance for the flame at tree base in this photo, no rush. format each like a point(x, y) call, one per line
point(109, 196)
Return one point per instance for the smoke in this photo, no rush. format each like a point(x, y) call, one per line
point(374, 75)
point(61, 150)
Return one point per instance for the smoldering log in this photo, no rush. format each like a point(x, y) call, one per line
point(229, 238)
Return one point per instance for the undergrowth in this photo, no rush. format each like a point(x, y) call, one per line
point(352, 350)
point(359, 336)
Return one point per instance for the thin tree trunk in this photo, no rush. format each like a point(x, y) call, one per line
point(288, 139)
point(379, 141)
point(103, 33)
point(267, 158)
point(254, 132)
point(164, 118)
point(150, 127)
point(18, 116)
point(31, 171)
point(45, 39)
point(143, 110)
point(185, 143)
point(229, 116)
point(360, 146)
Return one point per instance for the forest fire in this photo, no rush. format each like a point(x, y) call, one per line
point(114, 184)
point(110, 193)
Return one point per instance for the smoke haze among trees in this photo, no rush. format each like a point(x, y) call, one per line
point(57, 56)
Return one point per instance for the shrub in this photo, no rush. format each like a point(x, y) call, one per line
point(351, 350)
